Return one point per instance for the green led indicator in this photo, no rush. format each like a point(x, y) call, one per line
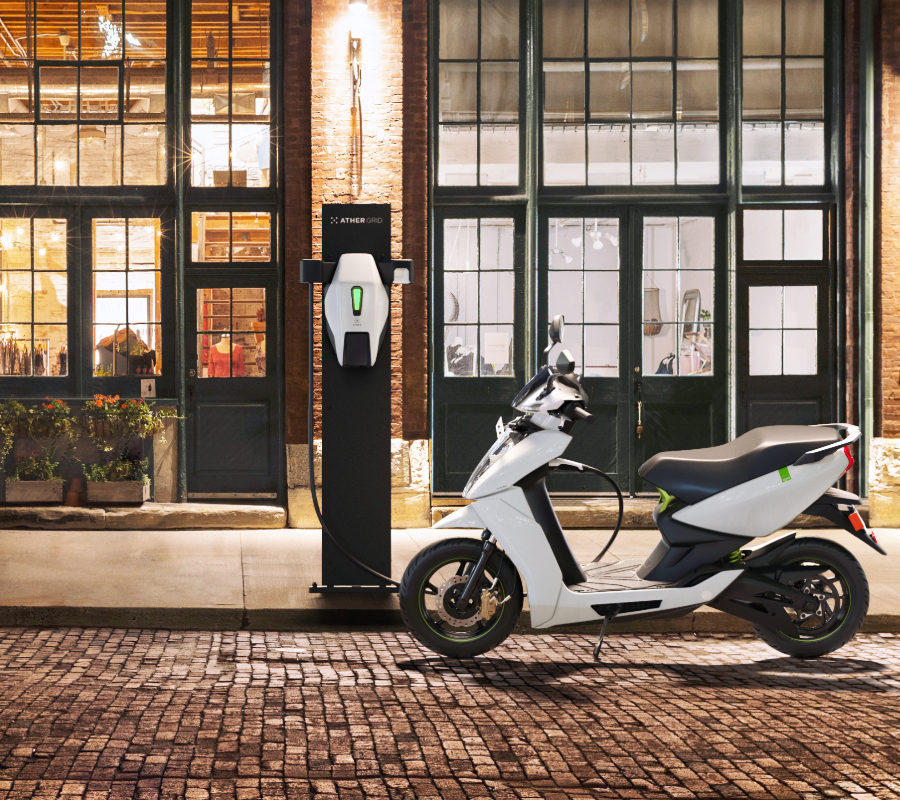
point(785, 474)
point(356, 295)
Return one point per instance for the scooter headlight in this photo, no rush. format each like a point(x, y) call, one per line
point(503, 445)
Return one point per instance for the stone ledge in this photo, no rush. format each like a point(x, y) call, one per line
point(149, 516)
point(602, 512)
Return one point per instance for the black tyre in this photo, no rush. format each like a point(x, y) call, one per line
point(433, 581)
point(842, 592)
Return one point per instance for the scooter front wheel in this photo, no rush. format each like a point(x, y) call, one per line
point(839, 600)
point(430, 592)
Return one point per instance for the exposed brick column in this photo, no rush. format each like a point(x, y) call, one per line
point(415, 219)
point(297, 214)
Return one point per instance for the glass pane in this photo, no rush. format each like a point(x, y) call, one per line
point(564, 155)
point(800, 352)
point(145, 30)
point(601, 297)
point(225, 358)
point(496, 297)
point(804, 154)
point(16, 91)
point(15, 353)
point(608, 29)
point(698, 90)
point(695, 352)
point(51, 297)
point(661, 243)
point(765, 307)
point(145, 91)
point(572, 343)
point(209, 155)
point(250, 29)
point(57, 30)
point(564, 296)
point(804, 88)
point(251, 236)
point(460, 349)
point(654, 154)
point(697, 243)
point(762, 88)
point(143, 244)
point(803, 234)
point(143, 299)
point(762, 27)
point(698, 153)
point(496, 244)
point(59, 89)
point(209, 90)
point(601, 246)
point(100, 154)
point(101, 30)
point(804, 25)
point(15, 241)
point(459, 92)
point(210, 236)
point(214, 309)
point(209, 30)
point(601, 351)
point(109, 244)
point(696, 299)
point(651, 90)
point(563, 29)
point(500, 92)
point(99, 92)
point(458, 155)
point(57, 160)
point(566, 244)
point(698, 28)
point(499, 155)
point(50, 244)
point(608, 147)
point(563, 92)
point(461, 297)
point(800, 307)
point(500, 28)
point(610, 91)
point(456, 27)
point(17, 155)
point(651, 28)
point(460, 244)
point(660, 297)
point(763, 235)
point(761, 153)
point(250, 155)
point(17, 295)
point(250, 91)
point(659, 345)
point(51, 352)
point(765, 352)
point(144, 155)
point(496, 351)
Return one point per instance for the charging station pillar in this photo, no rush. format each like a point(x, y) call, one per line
point(356, 422)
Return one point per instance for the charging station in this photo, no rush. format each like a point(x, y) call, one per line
point(356, 272)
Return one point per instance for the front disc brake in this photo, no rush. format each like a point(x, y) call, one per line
point(448, 593)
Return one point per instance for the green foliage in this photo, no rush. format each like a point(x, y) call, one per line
point(36, 467)
point(123, 469)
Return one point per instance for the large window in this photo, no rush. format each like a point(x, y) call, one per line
point(83, 97)
point(230, 93)
point(783, 133)
point(33, 298)
point(630, 92)
point(479, 92)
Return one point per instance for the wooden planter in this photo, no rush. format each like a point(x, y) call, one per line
point(34, 492)
point(117, 492)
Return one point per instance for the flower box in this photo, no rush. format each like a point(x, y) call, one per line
point(34, 492)
point(117, 492)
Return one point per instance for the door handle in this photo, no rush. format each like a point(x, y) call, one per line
point(639, 392)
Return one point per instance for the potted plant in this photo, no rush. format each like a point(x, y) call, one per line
point(36, 478)
point(117, 427)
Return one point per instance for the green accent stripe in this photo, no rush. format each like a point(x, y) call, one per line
point(664, 498)
point(785, 474)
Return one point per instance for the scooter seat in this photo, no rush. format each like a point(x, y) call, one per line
point(694, 475)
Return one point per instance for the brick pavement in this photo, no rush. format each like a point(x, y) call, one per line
point(129, 713)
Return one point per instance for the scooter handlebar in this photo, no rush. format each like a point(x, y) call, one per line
point(585, 415)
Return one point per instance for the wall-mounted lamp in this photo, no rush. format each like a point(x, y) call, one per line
point(358, 10)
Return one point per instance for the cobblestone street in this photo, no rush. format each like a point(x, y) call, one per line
point(129, 713)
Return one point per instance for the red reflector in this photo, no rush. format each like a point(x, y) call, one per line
point(856, 521)
point(850, 461)
point(873, 538)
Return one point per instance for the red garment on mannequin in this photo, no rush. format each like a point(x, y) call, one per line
point(218, 362)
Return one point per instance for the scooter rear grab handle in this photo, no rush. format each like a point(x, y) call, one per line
point(851, 434)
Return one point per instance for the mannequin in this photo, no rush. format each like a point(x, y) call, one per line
point(218, 359)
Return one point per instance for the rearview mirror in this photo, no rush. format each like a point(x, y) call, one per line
point(557, 328)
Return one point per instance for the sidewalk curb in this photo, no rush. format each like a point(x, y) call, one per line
point(319, 620)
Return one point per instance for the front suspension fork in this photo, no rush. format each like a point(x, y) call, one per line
point(477, 572)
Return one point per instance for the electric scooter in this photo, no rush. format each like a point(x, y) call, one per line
point(805, 597)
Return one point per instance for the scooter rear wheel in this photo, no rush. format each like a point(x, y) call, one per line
point(433, 582)
point(842, 592)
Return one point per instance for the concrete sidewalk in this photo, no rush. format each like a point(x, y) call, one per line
point(259, 579)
